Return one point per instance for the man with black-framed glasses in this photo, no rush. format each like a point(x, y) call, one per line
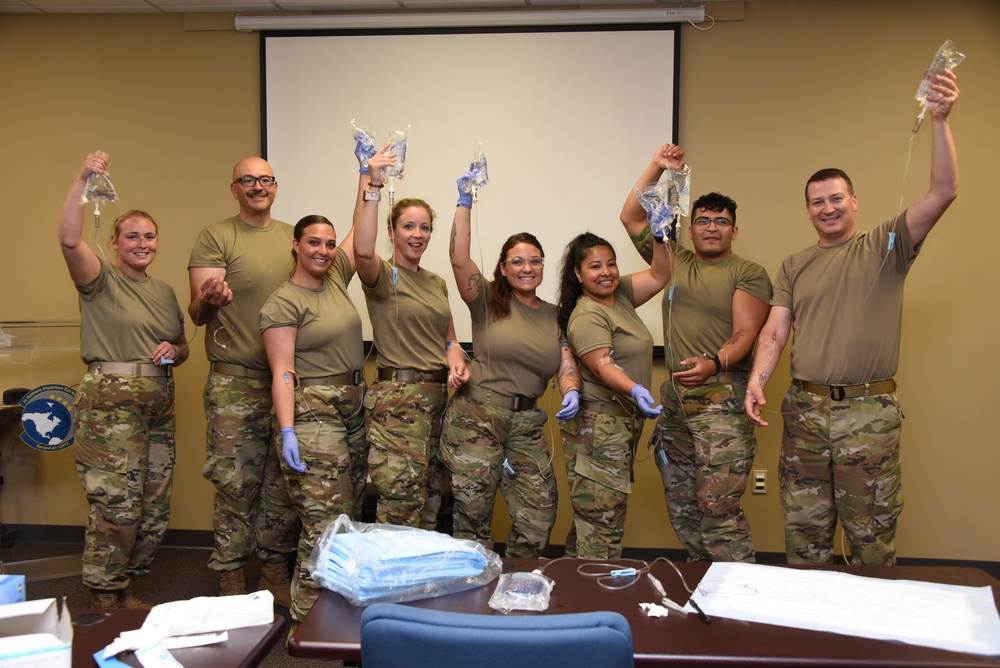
point(713, 310)
point(235, 265)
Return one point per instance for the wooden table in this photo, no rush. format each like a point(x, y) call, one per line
point(331, 630)
point(245, 648)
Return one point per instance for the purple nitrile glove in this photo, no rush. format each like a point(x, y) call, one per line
point(570, 405)
point(645, 401)
point(290, 449)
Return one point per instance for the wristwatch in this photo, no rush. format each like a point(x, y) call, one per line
point(372, 196)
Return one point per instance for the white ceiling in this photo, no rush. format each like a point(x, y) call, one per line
point(165, 6)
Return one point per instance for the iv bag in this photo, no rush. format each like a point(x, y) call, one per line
point(99, 189)
point(946, 57)
point(398, 141)
point(653, 199)
point(477, 171)
point(364, 143)
point(680, 190)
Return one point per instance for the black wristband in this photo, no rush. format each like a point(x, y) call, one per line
point(718, 364)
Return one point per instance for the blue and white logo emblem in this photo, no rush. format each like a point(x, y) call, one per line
point(47, 419)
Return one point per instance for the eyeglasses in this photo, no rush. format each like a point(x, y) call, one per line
point(519, 262)
point(719, 222)
point(249, 181)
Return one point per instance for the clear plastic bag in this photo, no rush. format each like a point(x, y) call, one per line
point(479, 173)
point(364, 143)
point(398, 142)
point(653, 199)
point(680, 190)
point(522, 591)
point(371, 563)
point(946, 57)
point(99, 188)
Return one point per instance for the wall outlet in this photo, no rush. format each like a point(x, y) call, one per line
point(760, 481)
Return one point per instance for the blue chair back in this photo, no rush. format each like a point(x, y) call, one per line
point(394, 635)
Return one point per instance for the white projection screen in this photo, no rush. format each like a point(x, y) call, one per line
point(567, 118)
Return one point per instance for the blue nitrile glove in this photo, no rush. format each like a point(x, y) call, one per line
point(464, 183)
point(364, 148)
point(661, 222)
point(645, 401)
point(570, 405)
point(290, 449)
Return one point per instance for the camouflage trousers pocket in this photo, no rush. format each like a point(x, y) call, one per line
point(608, 474)
point(888, 498)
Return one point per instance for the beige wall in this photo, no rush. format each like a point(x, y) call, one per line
point(765, 101)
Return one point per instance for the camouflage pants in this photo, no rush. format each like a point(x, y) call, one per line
point(704, 449)
point(599, 450)
point(477, 439)
point(404, 427)
point(253, 513)
point(329, 423)
point(124, 451)
point(840, 458)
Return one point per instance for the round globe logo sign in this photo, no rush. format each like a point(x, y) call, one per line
point(47, 418)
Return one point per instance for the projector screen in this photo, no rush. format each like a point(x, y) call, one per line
point(567, 119)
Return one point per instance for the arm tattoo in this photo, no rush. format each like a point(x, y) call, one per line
point(451, 243)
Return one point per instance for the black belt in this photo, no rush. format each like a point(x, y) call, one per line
point(348, 378)
point(130, 369)
point(839, 392)
point(609, 408)
point(412, 375)
point(514, 402)
point(240, 371)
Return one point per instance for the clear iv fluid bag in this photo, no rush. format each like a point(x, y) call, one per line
point(946, 57)
point(480, 175)
point(397, 144)
point(100, 189)
point(679, 194)
point(365, 142)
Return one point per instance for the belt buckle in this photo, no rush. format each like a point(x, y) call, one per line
point(838, 392)
point(516, 402)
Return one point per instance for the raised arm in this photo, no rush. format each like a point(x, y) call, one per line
point(365, 229)
point(83, 264)
point(633, 216)
point(926, 210)
point(467, 275)
point(646, 284)
point(749, 314)
point(770, 343)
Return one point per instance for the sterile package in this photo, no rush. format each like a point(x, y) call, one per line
point(522, 591)
point(370, 563)
point(398, 142)
point(946, 57)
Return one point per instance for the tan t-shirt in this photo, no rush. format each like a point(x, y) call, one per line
point(593, 325)
point(328, 341)
point(124, 319)
point(847, 305)
point(257, 260)
point(698, 305)
point(409, 317)
point(517, 354)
